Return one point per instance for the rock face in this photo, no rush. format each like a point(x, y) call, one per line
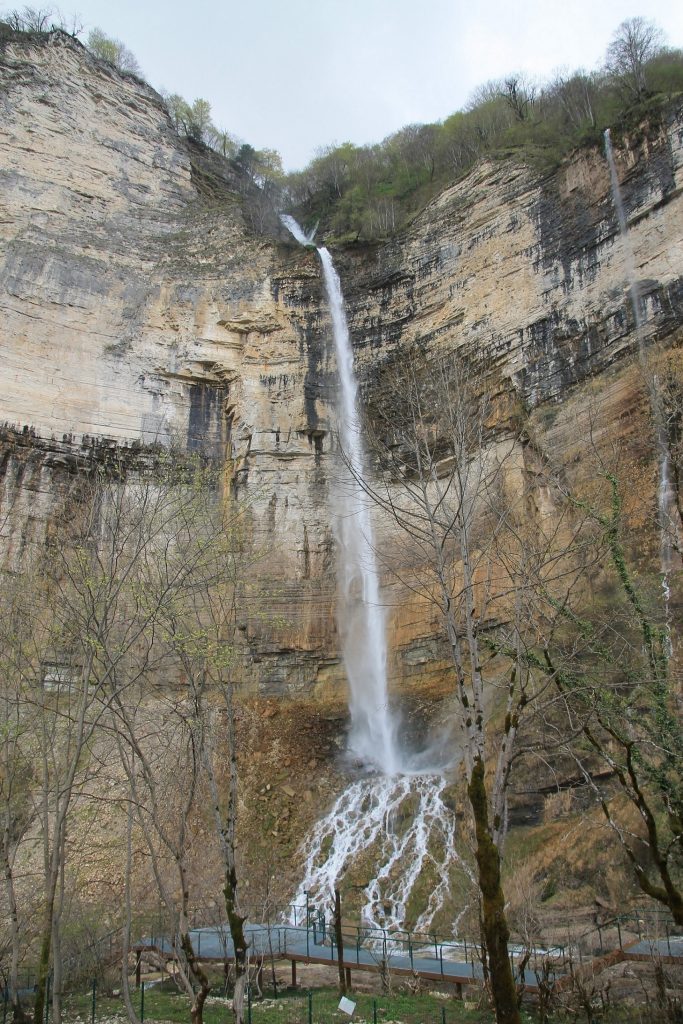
point(141, 309)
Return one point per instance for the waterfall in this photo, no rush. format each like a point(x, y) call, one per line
point(665, 496)
point(359, 613)
point(360, 617)
point(397, 817)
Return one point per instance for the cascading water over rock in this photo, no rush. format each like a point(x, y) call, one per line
point(411, 833)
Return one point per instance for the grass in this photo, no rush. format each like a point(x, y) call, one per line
point(164, 1003)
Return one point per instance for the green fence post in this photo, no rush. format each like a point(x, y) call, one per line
point(374, 1011)
point(248, 1004)
point(619, 933)
point(142, 1002)
point(443, 1015)
point(310, 1008)
point(47, 998)
point(94, 999)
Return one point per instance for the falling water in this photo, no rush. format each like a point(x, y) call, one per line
point(665, 493)
point(397, 816)
point(372, 737)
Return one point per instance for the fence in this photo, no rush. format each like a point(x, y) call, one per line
point(302, 1007)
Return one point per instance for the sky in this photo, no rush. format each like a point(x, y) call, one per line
point(296, 75)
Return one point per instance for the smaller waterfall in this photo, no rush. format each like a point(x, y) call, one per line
point(665, 495)
point(634, 290)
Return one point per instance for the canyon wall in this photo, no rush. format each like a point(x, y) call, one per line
point(141, 310)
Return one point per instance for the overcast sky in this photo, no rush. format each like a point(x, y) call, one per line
point(295, 75)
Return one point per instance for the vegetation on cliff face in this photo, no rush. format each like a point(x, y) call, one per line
point(370, 192)
point(366, 192)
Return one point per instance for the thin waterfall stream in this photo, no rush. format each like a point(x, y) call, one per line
point(666, 505)
point(395, 813)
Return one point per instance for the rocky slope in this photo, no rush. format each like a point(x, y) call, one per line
point(140, 308)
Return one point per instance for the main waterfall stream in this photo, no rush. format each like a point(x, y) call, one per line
point(390, 830)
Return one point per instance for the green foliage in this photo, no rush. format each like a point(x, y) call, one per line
point(113, 51)
point(369, 192)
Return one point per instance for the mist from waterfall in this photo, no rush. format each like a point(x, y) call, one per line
point(666, 509)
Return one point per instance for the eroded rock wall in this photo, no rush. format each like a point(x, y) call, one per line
point(140, 309)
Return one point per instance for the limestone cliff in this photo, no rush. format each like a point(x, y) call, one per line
point(140, 308)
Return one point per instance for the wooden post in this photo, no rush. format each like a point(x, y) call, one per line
point(293, 973)
point(137, 969)
point(340, 941)
point(348, 979)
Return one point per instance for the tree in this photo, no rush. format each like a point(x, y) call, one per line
point(576, 95)
point(520, 95)
point(132, 548)
point(19, 726)
point(113, 51)
point(180, 605)
point(621, 694)
point(455, 491)
point(199, 123)
point(635, 42)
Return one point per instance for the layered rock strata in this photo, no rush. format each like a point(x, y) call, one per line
point(142, 310)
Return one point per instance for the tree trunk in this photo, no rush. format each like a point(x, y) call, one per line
point(125, 948)
point(496, 932)
point(199, 975)
point(238, 995)
point(339, 938)
point(239, 942)
point(44, 959)
point(13, 977)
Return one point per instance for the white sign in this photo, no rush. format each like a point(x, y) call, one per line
point(346, 1006)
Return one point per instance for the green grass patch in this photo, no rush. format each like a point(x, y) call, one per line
point(164, 1004)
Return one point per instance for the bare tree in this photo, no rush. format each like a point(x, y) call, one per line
point(520, 95)
point(454, 490)
point(576, 95)
point(634, 43)
point(41, 19)
point(18, 753)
